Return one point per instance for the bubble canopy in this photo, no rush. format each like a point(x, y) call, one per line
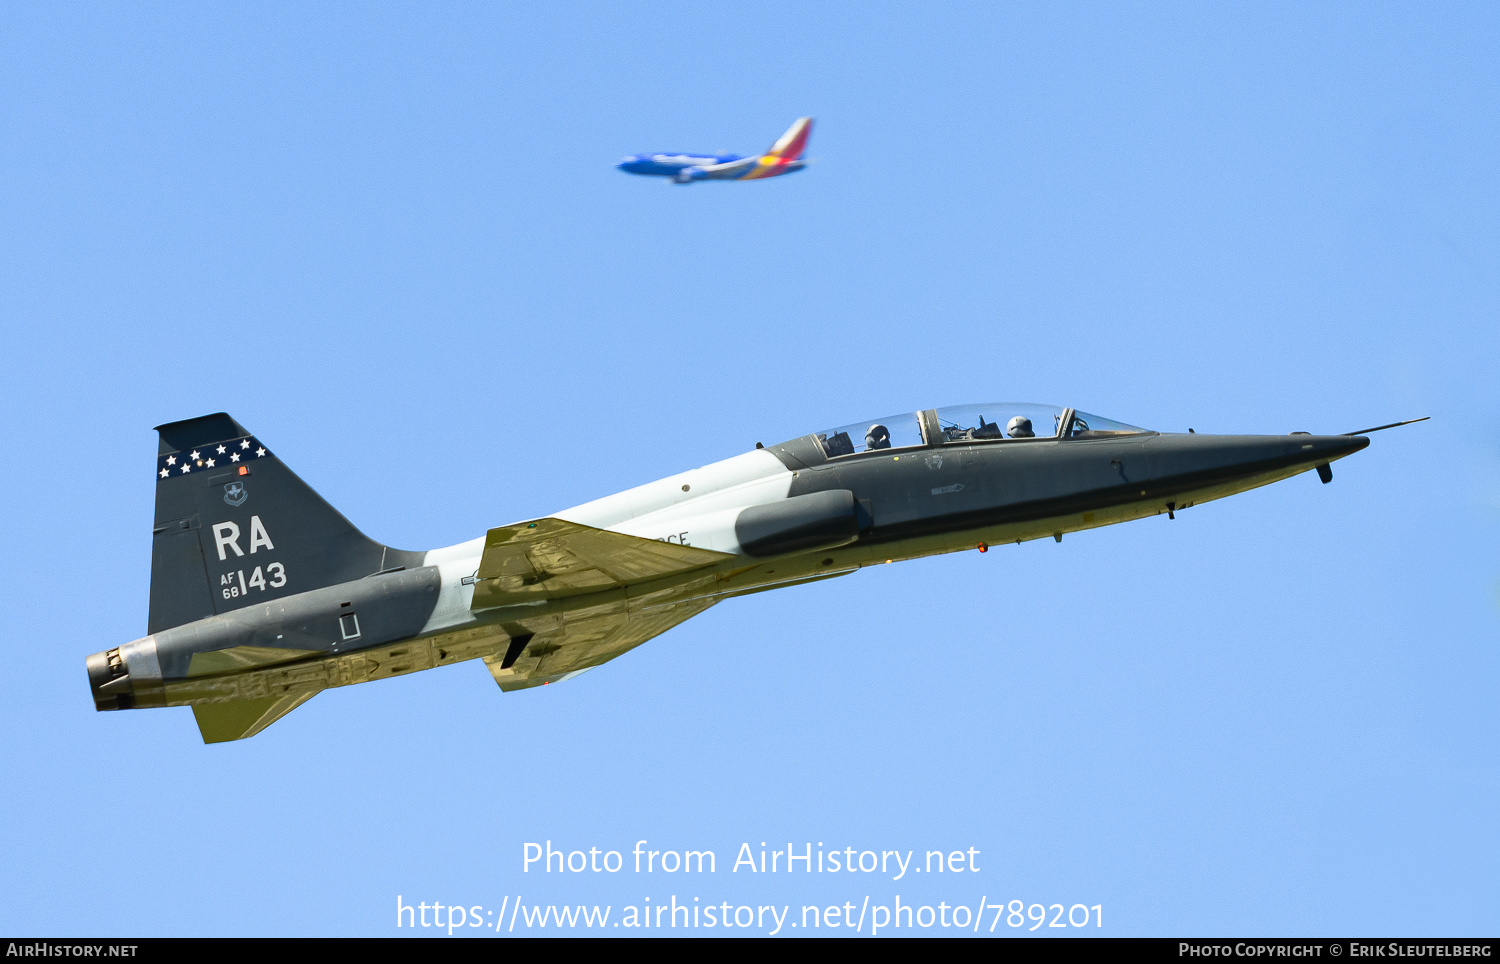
point(984, 422)
point(890, 432)
point(1085, 425)
point(999, 420)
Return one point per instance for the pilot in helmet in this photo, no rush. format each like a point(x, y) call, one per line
point(878, 437)
point(1019, 427)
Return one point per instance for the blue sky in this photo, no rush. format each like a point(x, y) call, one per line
point(390, 241)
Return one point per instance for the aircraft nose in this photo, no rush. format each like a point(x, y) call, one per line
point(1298, 447)
point(1332, 446)
point(1215, 459)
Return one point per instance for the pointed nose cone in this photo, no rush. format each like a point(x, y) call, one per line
point(1331, 447)
point(1225, 459)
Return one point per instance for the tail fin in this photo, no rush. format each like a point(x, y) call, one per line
point(791, 144)
point(235, 527)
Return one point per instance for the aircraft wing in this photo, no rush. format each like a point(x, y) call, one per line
point(729, 170)
point(586, 642)
point(550, 558)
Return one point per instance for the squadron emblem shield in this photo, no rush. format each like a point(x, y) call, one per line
point(235, 494)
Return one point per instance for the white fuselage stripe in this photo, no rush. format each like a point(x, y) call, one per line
point(695, 508)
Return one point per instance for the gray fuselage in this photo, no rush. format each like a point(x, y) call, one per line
point(774, 517)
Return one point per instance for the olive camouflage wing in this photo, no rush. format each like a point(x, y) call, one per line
point(585, 641)
point(552, 558)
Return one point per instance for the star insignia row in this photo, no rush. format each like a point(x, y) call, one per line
point(214, 455)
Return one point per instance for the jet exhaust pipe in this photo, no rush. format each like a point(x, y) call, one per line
point(110, 681)
point(126, 677)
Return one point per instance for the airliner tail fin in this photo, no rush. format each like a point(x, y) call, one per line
point(791, 144)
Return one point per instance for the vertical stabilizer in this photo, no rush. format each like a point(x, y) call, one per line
point(234, 527)
point(791, 145)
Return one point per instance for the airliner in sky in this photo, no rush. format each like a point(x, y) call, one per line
point(784, 157)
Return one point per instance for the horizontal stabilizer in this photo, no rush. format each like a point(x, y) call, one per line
point(238, 719)
point(550, 558)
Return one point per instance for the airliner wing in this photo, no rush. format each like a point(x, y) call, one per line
point(550, 558)
point(729, 170)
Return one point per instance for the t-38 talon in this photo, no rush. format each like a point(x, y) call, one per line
point(262, 594)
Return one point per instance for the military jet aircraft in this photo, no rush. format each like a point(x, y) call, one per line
point(262, 594)
point(783, 157)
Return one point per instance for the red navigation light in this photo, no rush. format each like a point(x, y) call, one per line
point(984, 547)
point(244, 470)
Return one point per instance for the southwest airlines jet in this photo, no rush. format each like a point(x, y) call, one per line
point(784, 157)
